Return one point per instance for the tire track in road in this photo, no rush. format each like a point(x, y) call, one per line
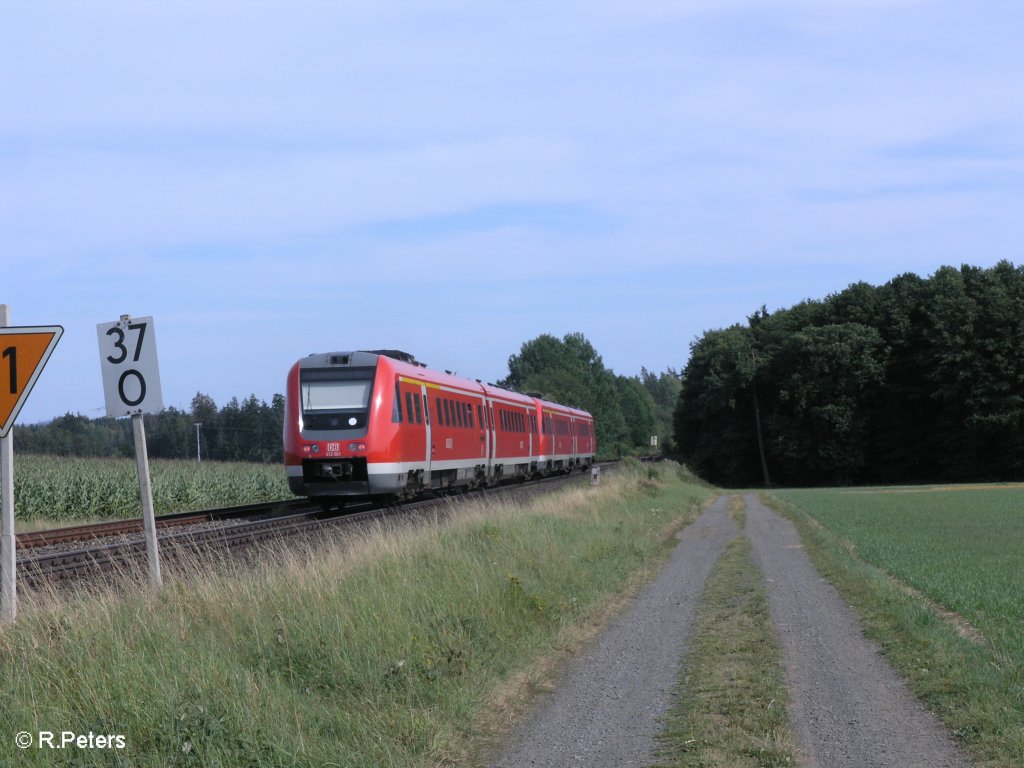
point(605, 710)
point(849, 707)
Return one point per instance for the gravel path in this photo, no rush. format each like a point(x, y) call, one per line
point(605, 711)
point(849, 708)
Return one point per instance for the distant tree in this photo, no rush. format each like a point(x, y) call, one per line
point(637, 412)
point(571, 372)
point(664, 390)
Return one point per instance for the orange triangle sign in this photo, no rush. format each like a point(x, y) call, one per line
point(23, 353)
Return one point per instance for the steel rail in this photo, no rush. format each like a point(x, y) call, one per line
point(29, 539)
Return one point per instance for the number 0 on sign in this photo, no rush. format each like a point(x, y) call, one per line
point(131, 376)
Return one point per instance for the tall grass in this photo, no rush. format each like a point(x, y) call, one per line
point(403, 645)
point(74, 489)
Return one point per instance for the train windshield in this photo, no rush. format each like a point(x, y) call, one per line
point(324, 391)
point(335, 395)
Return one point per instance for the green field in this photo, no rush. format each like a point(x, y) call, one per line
point(961, 645)
point(56, 490)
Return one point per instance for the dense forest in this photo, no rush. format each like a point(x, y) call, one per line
point(628, 410)
point(917, 380)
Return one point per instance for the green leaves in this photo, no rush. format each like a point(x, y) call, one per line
point(915, 380)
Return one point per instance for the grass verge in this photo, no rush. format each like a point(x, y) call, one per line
point(731, 708)
point(406, 645)
point(975, 689)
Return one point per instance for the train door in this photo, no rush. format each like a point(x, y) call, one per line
point(429, 448)
point(492, 436)
point(531, 420)
point(482, 428)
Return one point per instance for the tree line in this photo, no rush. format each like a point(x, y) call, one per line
point(627, 411)
point(917, 380)
point(249, 430)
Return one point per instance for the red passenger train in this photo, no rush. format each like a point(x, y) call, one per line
point(380, 424)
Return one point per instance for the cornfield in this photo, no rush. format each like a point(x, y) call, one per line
point(70, 489)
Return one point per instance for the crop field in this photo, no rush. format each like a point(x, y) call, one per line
point(961, 646)
point(68, 490)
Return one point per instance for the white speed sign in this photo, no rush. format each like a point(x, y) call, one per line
point(131, 376)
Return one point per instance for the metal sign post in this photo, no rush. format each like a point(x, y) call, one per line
point(8, 545)
point(131, 387)
point(23, 353)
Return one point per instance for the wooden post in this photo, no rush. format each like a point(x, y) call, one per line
point(8, 543)
point(146, 496)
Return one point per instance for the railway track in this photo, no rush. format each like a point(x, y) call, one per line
point(32, 539)
point(117, 548)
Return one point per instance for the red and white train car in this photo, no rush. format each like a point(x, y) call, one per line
point(364, 424)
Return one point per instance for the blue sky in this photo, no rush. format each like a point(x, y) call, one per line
point(269, 180)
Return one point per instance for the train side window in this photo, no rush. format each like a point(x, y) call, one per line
point(480, 416)
point(396, 408)
point(426, 409)
point(469, 415)
point(408, 406)
point(457, 407)
point(413, 403)
point(440, 413)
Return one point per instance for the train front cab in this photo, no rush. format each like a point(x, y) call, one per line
point(333, 425)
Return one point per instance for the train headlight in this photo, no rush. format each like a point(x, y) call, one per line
point(357, 447)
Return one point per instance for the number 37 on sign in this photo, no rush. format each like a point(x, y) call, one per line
point(131, 376)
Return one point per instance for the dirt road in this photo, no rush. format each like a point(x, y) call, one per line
point(604, 713)
point(849, 708)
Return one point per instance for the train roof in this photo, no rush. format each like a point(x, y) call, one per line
point(406, 364)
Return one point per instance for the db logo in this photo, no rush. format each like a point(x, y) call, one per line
point(334, 446)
